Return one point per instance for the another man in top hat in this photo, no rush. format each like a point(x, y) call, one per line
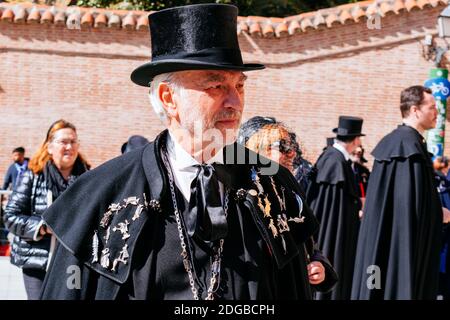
point(186, 218)
point(334, 199)
point(399, 242)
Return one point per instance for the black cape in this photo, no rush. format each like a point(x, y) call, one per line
point(400, 230)
point(255, 264)
point(333, 197)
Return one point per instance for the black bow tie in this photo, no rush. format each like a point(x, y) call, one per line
point(207, 218)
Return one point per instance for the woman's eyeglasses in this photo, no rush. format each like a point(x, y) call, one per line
point(284, 146)
point(66, 142)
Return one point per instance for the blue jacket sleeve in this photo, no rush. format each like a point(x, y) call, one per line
point(8, 177)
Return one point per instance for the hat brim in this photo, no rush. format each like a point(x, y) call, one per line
point(335, 130)
point(145, 73)
point(124, 147)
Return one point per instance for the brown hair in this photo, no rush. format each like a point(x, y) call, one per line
point(40, 158)
point(412, 96)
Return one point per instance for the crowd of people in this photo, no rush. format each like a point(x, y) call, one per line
point(233, 211)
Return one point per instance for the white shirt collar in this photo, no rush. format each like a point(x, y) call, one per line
point(183, 165)
point(342, 150)
point(183, 160)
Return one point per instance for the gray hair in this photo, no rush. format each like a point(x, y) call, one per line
point(153, 95)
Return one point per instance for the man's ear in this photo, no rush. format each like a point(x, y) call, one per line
point(166, 93)
point(414, 110)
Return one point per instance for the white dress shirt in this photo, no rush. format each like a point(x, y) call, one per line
point(342, 150)
point(183, 166)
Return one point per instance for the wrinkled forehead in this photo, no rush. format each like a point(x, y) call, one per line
point(65, 133)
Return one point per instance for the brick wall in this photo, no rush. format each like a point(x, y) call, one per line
point(49, 72)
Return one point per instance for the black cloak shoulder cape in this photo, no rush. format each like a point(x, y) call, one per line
point(333, 197)
point(398, 247)
point(117, 231)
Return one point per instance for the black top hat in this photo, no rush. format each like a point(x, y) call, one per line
point(133, 142)
point(349, 127)
point(194, 37)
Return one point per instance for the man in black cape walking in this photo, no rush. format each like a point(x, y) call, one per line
point(399, 242)
point(191, 215)
point(333, 197)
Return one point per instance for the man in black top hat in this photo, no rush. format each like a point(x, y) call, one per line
point(399, 242)
point(187, 216)
point(334, 199)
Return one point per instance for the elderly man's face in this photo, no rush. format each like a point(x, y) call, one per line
point(212, 99)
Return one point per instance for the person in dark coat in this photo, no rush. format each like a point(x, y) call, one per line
point(272, 139)
point(53, 168)
point(362, 173)
point(333, 197)
point(440, 165)
point(400, 236)
point(192, 215)
point(16, 169)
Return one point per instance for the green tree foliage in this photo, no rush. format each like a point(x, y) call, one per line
point(273, 8)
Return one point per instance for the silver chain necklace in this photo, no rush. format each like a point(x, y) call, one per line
point(188, 264)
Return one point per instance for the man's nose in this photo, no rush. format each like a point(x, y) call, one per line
point(233, 99)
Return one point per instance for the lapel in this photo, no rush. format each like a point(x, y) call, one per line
point(154, 167)
point(116, 240)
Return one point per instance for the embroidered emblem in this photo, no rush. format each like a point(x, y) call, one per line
point(282, 223)
point(256, 181)
point(240, 194)
point(95, 247)
point(300, 218)
point(267, 206)
point(297, 219)
point(106, 218)
point(123, 257)
point(123, 228)
point(145, 200)
point(138, 212)
point(280, 200)
point(112, 209)
point(273, 228)
point(155, 205)
point(108, 234)
point(104, 261)
point(131, 200)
